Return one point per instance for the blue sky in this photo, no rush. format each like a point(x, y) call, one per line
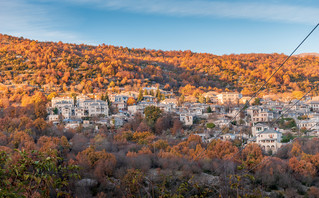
point(218, 27)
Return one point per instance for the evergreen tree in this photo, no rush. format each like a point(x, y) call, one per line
point(55, 111)
point(107, 99)
point(158, 95)
point(140, 95)
point(145, 92)
point(257, 102)
point(74, 95)
point(181, 100)
point(152, 113)
point(152, 93)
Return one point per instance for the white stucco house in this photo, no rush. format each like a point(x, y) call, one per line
point(269, 140)
point(85, 107)
point(229, 97)
point(260, 114)
point(259, 127)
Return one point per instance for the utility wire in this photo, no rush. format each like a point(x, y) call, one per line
point(264, 160)
point(281, 65)
point(255, 94)
point(242, 148)
point(309, 130)
point(273, 122)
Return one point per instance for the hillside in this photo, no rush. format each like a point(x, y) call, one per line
point(307, 54)
point(121, 145)
point(85, 68)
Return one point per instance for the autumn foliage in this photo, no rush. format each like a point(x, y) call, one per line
point(155, 155)
point(87, 69)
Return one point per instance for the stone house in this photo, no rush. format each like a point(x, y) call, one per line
point(269, 140)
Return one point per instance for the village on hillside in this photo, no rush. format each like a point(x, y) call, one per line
point(226, 115)
point(80, 120)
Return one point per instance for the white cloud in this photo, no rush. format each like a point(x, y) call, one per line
point(19, 18)
point(36, 20)
point(243, 10)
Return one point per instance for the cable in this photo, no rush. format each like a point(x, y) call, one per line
point(242, 148)
point(273, 122)
point(261, 162)
point(244, 106)
point(281, 65)
point(308, 130)
point(265, 159)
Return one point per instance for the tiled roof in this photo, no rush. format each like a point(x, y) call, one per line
point(267, 131)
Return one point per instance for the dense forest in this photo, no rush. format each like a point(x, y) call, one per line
point(85, 68)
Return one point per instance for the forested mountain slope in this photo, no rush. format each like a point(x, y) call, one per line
point(92, 68)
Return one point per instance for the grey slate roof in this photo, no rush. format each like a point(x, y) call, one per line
point(267, 131)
